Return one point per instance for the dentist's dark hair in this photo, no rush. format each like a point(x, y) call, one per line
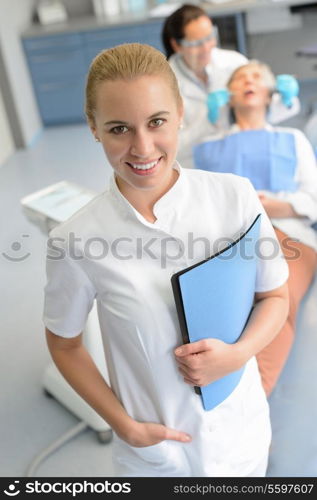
point(174, 25)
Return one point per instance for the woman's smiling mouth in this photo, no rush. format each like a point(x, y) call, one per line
point(143, 168)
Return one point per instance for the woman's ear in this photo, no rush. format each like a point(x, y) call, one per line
point(93, 129)
point(175, 46)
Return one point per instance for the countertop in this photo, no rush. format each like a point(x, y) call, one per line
point(215, 8)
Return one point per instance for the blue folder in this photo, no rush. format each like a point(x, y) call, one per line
point(214, 299)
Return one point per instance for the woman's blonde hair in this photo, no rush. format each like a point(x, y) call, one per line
point(268, 75)
point(126, 62)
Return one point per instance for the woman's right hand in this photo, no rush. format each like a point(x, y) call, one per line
point(141, 434)
point(68, 355)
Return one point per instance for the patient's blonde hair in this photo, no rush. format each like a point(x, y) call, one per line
point(126, 62)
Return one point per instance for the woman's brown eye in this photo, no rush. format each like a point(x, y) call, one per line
point(121, 129)
point(157, 122)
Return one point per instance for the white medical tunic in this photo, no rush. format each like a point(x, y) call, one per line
point(125, 262)
point(194, 92)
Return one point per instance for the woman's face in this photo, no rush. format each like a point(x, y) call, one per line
point(249, 88)
point(200, 34)
point(137, 122)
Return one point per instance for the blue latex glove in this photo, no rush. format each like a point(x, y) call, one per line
point(215, 101)
point(288, 87)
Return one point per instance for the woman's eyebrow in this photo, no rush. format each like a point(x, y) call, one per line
point(115, 122)
point(120, 122)
point(159, 113)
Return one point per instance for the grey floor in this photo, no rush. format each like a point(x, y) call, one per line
point(29, 421)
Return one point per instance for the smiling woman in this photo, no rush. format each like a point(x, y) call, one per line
point(138, 126)
point(143, 139)
point(160, 426)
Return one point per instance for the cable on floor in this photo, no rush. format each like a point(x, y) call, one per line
point(54, 446)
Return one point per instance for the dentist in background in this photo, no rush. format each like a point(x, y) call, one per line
point(202, 70)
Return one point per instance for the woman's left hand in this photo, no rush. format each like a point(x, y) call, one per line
point(207, 360)
point(277, 208)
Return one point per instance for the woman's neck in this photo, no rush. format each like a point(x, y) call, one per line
point(250, 119)
point(144, 201)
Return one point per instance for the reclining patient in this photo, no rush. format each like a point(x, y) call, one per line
point(281, 164)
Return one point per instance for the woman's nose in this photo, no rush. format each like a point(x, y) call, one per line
point(142, 144)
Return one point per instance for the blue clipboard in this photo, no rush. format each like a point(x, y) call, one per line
point(214, 299)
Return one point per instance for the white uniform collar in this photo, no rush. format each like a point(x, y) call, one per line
point(164, 206)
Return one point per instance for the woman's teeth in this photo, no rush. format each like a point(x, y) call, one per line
point(144, 166)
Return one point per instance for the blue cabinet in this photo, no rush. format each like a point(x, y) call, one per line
point(59, 63)
point(97, 40)
point(58, 67)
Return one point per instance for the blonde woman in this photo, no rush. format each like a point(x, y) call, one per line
point(160, 428)
point(281, 165)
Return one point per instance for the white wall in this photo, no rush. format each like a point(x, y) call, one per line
point(6, 141)
point(15, 16)
point(279, 49)
point(79, 7)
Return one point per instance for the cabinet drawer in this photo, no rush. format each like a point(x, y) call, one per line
point(62, 102)
point(108, 35)
point(52, 43)
point(57, 64)
point(149, 33)
point(122, 34)
point(91, 52)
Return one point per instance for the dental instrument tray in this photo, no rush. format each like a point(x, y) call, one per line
point(54, 204)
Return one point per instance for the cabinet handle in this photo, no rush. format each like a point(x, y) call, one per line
point(113, 35)
point(51, 44)
point(52, 57)
point(48, 87)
